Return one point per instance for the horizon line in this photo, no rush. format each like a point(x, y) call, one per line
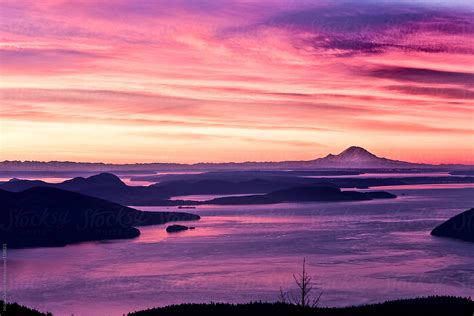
point(224, 162)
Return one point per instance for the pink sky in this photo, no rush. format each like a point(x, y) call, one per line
point(189, 81)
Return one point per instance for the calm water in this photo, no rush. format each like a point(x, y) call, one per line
point(204, 197)
point(387, 175)
point(358, 252)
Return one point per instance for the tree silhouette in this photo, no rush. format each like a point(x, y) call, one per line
point(304, 297)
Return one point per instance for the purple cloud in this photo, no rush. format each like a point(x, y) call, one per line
point(365, 27)
point(420, 75)
point(448, 93)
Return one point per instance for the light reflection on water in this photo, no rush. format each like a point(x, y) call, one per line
point(359, 252)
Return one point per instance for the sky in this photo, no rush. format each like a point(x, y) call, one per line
point(207, 80)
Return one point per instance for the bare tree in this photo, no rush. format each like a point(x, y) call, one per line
point(304, 297)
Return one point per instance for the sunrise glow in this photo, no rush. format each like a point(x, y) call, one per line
point(190, 81)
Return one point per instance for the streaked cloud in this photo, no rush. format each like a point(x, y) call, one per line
point(230, 80)
point(451, 93)
point(421, 75)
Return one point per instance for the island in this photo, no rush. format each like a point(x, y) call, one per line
point(177, 228)
point(460, 227)
point(46, 216)
point(109, 187)
point(302, 194)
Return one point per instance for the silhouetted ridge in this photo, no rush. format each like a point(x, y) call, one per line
point(433, 306)
point(104, 185)
point(47, 216)
point(14, 309)
point(20, 185)
point(302, 194)
point(98, 180)
point(109, 187)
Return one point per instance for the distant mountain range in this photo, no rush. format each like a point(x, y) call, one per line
point(352, 157)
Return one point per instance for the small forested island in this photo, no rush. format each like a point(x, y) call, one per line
point(177, 228)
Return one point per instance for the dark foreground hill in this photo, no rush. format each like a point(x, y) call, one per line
point(44, 216)
point(460, 226)
point(14, 309)
point(424, 306)
point(303, 194)
point(433, 306)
